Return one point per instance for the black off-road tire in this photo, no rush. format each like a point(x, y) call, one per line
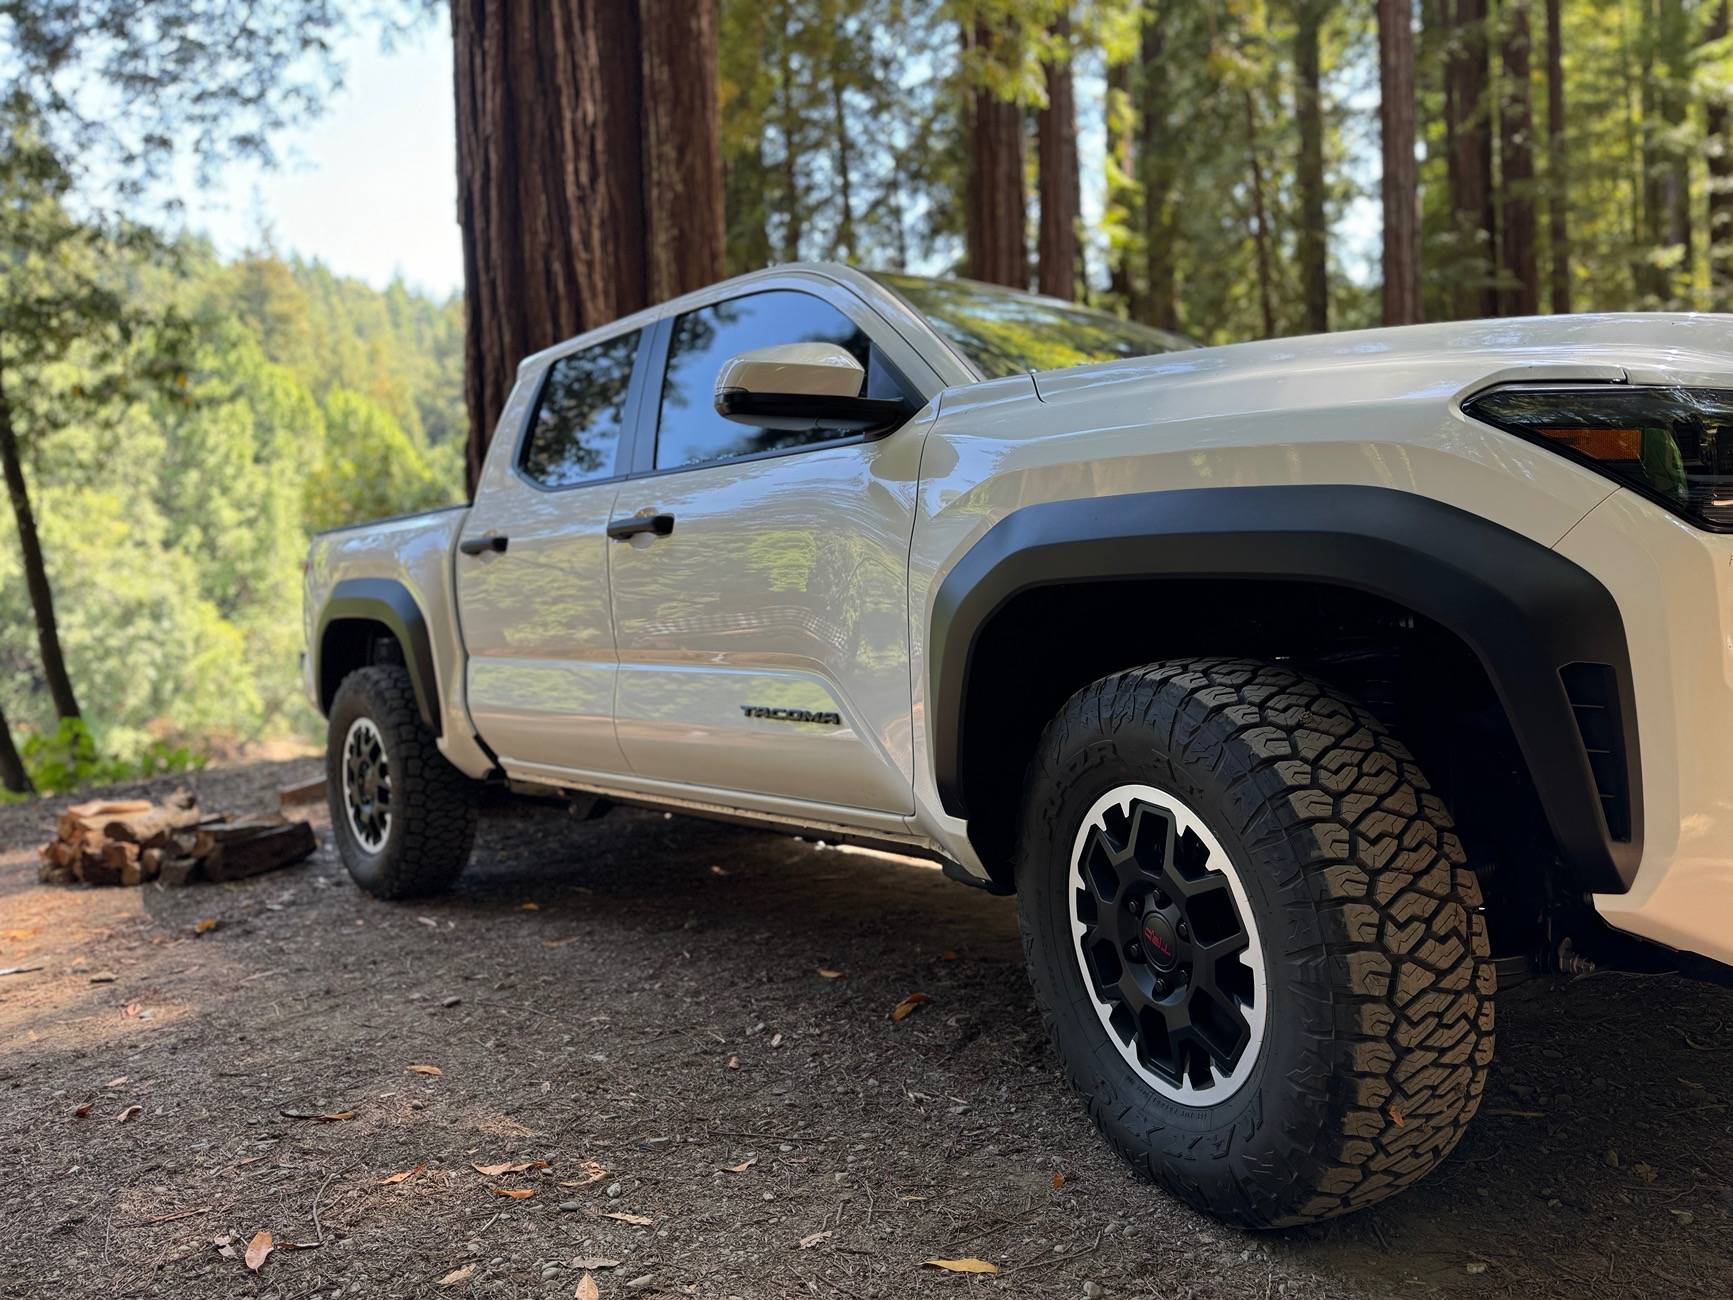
point(1380, 1010)
point(432, 805)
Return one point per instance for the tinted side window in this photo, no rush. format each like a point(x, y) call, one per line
point(689, 430)
point(575, 434)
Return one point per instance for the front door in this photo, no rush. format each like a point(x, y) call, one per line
point(763, 632)
point(532, 569)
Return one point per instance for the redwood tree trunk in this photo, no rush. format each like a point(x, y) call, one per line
point(1309, 109)
point(1159, 305)
point(1121, 135)
point(1521, 292)
point(1061, 200)
point(1558, 189)
point(1260, 220)
point(1471, 157)
point(997, 242)
point(13, 778)
point(35, 568)
point(1720, 182)
point(1401, 175)
point(589, 173)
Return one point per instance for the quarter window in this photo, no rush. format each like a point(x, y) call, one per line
point(689, 431)
point(575, 435)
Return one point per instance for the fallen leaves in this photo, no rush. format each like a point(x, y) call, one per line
point(330, 1117)
point(970, 1265)
point(813, 1238)
point(742, 1167)
point(593, 1173)
point(103, 977)
point(508, 1167)
point(516, 1193)
point(636, 1220)
point(432, 1070)
point(258, 1249)
point(82, 1109)
point(403, 1177)
point(458, 1275)
point(530, 907)
point(206, 925)
point(1058, 1181)
point(829, 974)
point(130, 1113)
point(733, 1063)
point(587, 1289)
point(908, 1005)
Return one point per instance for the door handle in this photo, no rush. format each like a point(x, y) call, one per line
point(482, 545)
point(658, 525)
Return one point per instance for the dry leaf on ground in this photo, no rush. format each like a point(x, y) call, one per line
point(257, 1249)
point(907, 1006)
point(733, 1063)
point(962, 1265)
point(830, 974)
point(587, 1262)
point(131, 1112)
point(403, 1177)
point(82, 1109)
point(593, 1173)
point(328, 1118)
point(742, 1167)
point(458, 1275)
point(636, 1220)
point(530, 907)
point(433, 1070)
point(206, 925)
point(115, 1082)
point(508, 1167)
point(516, 1193)
point(587, 1289)
point(813, 1238)
point(1058, 1181)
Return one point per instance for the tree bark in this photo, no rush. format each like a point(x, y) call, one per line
point(793, 216)
point(1558, 188)
point(589, 174)
point(1309, 110)
point(1061, 200)
point(1401, 181)
point(995, 235)
point(35, 567)
point(1260, 219)
point(13, 778)
point(1121, 131)
point(1159, 305)
point(844, 242)
point(1520, 291)
point(1471, 158)
point(1720, 182)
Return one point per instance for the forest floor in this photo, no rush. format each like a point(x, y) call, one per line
point(646, 994)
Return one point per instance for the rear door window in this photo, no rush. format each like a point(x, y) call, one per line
point(580, 415)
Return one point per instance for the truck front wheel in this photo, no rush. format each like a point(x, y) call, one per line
point(1254, 939)
point(403, 817)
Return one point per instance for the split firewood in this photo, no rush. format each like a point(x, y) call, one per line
point(258, 845)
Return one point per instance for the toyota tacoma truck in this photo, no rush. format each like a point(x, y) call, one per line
point(1298, 689)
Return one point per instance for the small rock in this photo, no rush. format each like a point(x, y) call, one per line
point(1685, 1217)
point(1474, 1268)
point(571, 1206)
point(552, 1270)
point(639, 1283)
point(102, 977)
point(451, 1001)
point(1094, 1290)
point(1612, 1158)
point(614, 1191)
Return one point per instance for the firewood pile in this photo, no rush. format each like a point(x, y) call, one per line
point(131, 842)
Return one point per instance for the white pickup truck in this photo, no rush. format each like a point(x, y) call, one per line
point(1299, 689)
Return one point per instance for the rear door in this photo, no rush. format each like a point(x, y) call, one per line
point(763, 632)
point(532, 567)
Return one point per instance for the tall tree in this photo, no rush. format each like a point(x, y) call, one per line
point(1156, 172)
point(1120, 121)
point(996, 213)
point(589, 174)
point(1401, 182)
point(1467, 118)
point(1557, 169)
point(54, 671)
point(1720, 147)
point(1309, 16)
point(13, 778)
point(1520, 283)
point(1260, 219)
point(1057, 247)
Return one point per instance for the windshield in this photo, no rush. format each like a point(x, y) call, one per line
point(1004, 332)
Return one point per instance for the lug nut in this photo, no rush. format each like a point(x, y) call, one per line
point(1133, 951)
point(1182, 931)
point(1160, 987)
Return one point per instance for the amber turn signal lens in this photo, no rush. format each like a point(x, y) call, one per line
point(1601, 444)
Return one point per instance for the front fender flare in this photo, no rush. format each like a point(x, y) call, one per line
point(1526, 613)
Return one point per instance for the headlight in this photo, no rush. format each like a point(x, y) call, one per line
point(1673, 445)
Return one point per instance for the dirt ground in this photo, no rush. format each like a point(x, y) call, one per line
point(646, 993)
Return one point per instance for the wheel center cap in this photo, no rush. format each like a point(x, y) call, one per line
point(1160, 943)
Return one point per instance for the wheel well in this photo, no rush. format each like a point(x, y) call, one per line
point(1421, 680)
point(351, 643)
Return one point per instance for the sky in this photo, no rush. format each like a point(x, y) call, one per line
point(370, 187)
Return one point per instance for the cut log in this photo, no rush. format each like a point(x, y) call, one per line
point(150, 829)
point(73, 822)
point(182, 869)
point(257, 845)
point(307, 792)
point(150, 863)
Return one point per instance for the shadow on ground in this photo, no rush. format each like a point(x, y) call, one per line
point(649, 994)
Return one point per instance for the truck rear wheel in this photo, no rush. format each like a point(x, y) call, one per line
point(1254, 939)
point(404, 817)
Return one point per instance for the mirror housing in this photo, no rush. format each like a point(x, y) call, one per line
point(802, 386)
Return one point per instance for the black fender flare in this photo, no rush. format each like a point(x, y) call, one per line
point(389, 603)
point(1527, 613)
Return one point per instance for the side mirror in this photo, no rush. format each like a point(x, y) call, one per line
point(800, 387)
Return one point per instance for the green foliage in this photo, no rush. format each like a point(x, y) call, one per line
point(67, 758)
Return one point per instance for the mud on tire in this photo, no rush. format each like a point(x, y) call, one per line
point(1379, 1021)
point(425, 844)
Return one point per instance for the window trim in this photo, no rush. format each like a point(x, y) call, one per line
point(630, 421)
point(650, 411)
